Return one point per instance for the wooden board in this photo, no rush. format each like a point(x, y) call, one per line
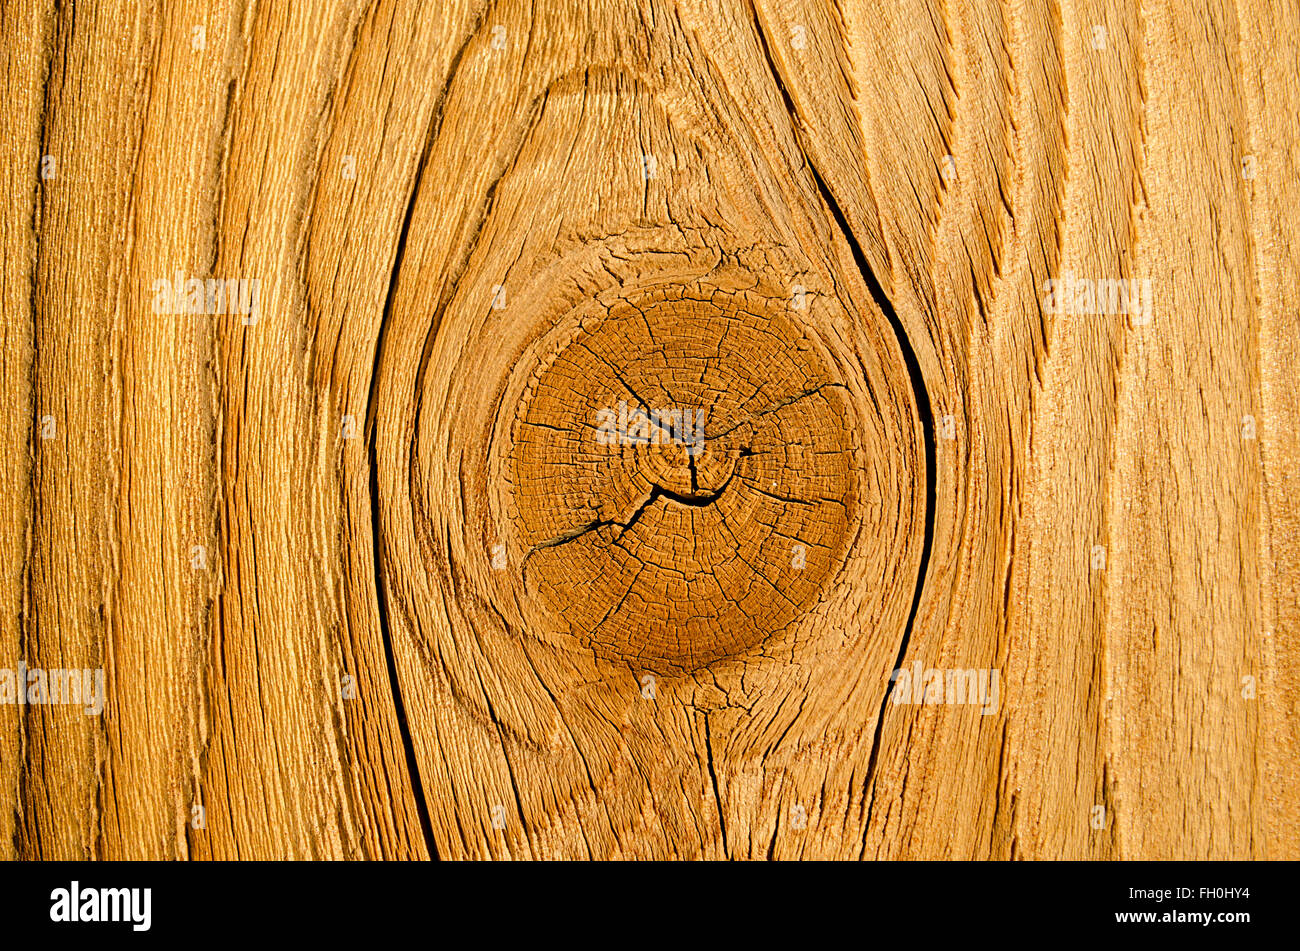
point(548, 429)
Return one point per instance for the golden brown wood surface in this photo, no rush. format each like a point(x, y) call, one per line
point(604, 402)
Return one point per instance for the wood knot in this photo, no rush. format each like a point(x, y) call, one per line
point(684, 476)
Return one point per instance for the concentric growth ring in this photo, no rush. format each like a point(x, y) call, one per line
point(684, 476)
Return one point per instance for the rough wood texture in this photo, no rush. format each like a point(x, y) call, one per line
point(629, 391)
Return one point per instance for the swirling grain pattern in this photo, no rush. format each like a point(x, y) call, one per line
point(728, 429)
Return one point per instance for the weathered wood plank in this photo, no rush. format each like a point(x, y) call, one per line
point(618, 396)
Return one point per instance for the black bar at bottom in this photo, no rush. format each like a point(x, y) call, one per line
point(906, 901)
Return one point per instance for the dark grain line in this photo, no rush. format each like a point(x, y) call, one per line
point(916, 377)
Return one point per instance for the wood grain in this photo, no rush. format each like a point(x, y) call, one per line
point(620, 397)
